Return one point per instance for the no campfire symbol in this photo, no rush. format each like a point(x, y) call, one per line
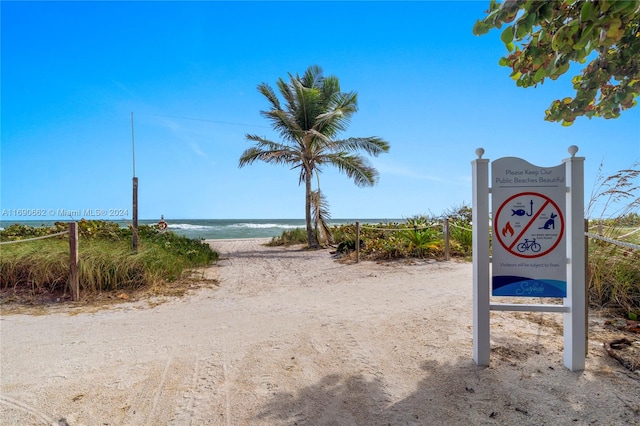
point(529, 225)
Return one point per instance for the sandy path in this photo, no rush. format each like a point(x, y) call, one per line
point(293, 337)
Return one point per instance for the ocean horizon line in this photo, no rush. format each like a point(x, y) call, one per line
point(216, 228)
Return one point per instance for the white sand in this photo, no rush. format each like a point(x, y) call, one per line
point(294, 337)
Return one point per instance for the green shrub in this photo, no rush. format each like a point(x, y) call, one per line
point(424, 239)
point(460, 237)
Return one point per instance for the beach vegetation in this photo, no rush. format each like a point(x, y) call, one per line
point(425, 238)
point(106, 260)
point(310, 117)
point(544, 38)
point(289, 237)
point(419, 236)
point(614, 269)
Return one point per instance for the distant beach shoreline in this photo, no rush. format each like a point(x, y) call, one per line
point(218, 229)
point(230, 240)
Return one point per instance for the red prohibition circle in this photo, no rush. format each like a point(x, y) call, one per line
point(162, 225)
point(515, 252)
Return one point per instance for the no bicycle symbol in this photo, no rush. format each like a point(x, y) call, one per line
point(529, 225)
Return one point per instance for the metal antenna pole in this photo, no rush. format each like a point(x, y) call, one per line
point(135, 193)
point(133, 147)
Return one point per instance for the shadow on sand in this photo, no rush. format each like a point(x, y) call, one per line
point(453, 393)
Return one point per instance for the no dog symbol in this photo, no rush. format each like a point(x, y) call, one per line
point(529, 225)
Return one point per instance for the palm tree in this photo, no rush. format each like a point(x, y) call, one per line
point(315, 111)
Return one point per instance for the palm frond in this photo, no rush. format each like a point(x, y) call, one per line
point(330, 87)
point(268, 93)
point(287, 92)
point(321, 216)
point(269, 152)
point(337, 112)
point(266, 143)
point(308, 105)
point(372, 145)
point(313, 77)
point(284, 124)
point(355, 167)
point(320, 142)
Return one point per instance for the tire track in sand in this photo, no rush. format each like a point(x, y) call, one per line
point(372, 376)
point(154, 395)
point(158, 391)
point(206, 398)
point(26, 408)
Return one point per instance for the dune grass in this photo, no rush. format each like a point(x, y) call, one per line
point(614, 271)
point(106, 260)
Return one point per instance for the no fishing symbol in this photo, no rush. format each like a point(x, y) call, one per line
point(529, 225)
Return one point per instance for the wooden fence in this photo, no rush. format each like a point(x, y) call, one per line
point(446, 226)
point(74, 282)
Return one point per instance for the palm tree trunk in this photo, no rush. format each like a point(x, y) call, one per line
point(312, 238)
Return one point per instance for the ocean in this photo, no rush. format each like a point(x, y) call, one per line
point(224, 229)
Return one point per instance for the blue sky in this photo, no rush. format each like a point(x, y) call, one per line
point(73, 72)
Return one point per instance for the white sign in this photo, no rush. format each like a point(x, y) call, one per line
point(538, 246)
point(529, 249)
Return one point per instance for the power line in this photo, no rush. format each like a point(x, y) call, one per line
point(213, 121)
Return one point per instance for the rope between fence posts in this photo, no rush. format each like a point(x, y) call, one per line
point(621, 236)
point(398, 229)
point(629, 233)
point(35, 238)
point(612, 241)
point(461, 227)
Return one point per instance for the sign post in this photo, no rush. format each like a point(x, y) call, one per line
point(480, 253)
point(537, 250)
point(575, 321)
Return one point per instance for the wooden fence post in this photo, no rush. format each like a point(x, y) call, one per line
point(134, 216)
point(357, 242)
point(445, 231)
point(74, 282)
